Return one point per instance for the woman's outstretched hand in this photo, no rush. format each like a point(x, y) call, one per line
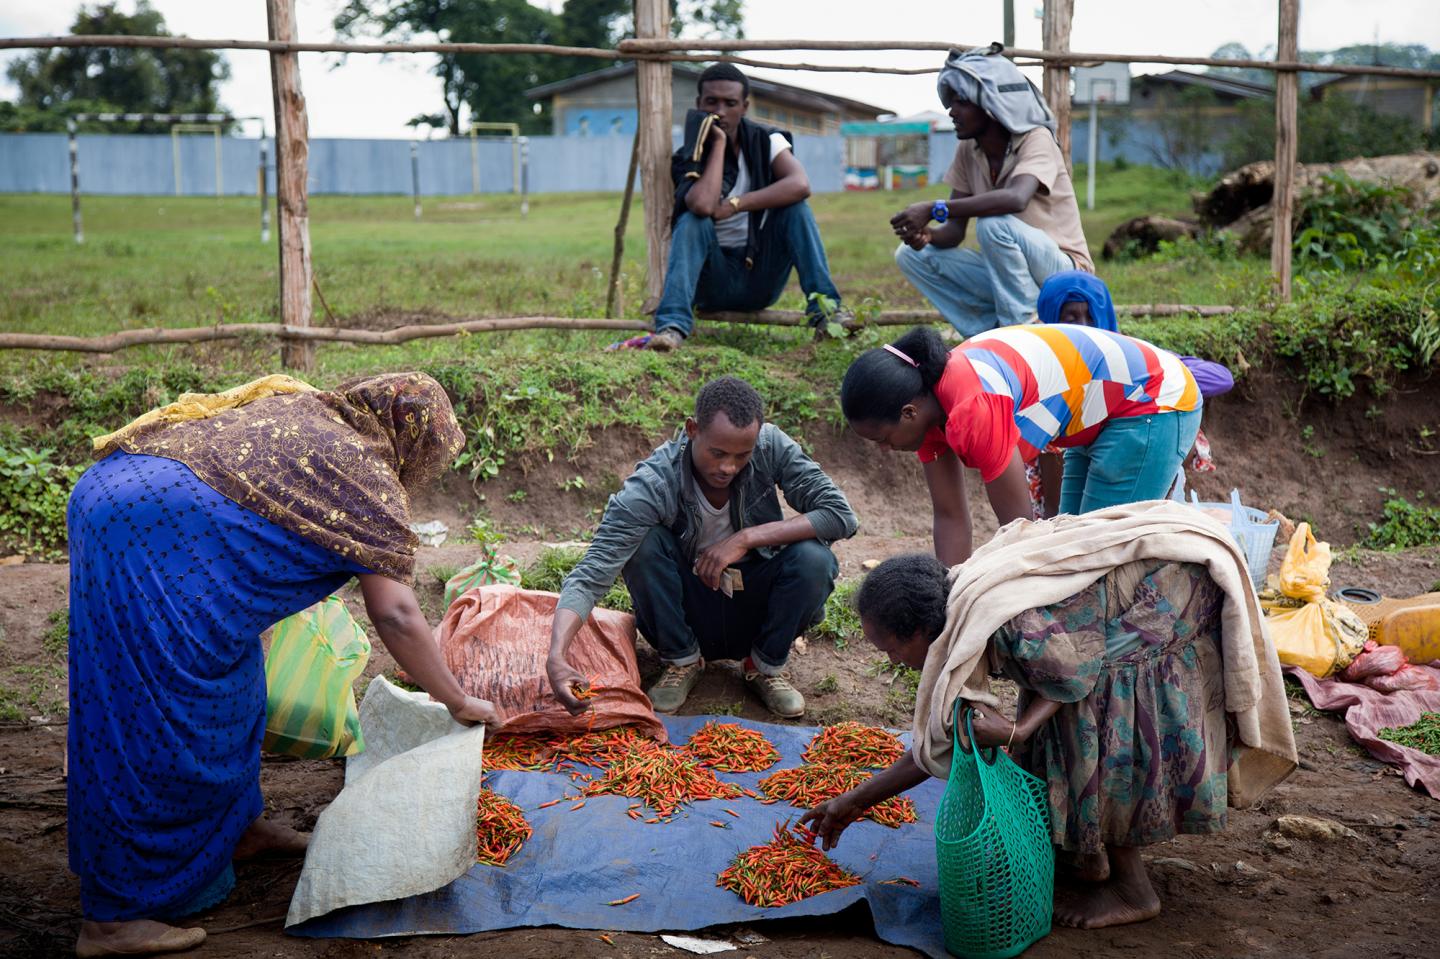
point(829, 819)
point(471, 711)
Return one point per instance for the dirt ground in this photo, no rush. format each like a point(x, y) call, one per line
point(1371, 896)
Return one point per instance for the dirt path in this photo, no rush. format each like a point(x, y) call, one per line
point(1371, 896)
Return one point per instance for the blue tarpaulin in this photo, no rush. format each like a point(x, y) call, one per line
point(579, 860)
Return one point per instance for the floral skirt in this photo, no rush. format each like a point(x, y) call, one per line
point(1140, 749)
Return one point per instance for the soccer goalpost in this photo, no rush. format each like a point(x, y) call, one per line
point(180, 123)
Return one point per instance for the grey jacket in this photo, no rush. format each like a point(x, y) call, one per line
point(661, 492)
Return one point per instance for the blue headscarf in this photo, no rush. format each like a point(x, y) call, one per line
point(1077, 286)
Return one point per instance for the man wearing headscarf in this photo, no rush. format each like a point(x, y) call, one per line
point(1010, 177)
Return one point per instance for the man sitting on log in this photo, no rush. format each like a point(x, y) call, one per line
point(1009, 176)
point(714, 568)
point(741, 222)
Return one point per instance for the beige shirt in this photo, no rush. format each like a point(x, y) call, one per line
point(1052, 209)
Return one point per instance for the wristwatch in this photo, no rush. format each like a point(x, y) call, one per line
point(735, 203)
point(939, 212)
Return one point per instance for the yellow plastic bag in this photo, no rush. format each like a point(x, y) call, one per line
point(1305, 573)
point(1321, 638)
point(314, 658)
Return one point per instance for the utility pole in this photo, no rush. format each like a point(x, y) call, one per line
point(1009, 24)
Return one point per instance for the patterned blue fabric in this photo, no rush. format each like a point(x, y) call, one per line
point(171, 585)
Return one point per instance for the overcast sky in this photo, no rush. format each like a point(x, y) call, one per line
point(373, 97)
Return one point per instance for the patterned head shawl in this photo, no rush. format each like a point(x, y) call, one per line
point(337, 467)
point(995, 85)
point(1077, 286)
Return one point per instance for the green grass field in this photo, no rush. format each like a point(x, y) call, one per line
point(163, 261)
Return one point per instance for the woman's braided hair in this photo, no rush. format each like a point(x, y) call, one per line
point(905, 595)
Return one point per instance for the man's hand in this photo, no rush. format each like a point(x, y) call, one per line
point(716, 139)
point(832, 816)
point(724, 210)
point(562, 677)
point(911, 220)
point(714, 561)
point(917, 241)
point(472, 711)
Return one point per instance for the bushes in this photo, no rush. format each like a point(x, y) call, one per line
point(34, 491)
point(1404, 524)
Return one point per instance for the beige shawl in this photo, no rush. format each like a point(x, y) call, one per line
point(1028, 565)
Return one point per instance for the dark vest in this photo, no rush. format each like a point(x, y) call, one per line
point(688, 162)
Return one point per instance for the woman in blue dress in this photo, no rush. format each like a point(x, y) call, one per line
point(202, 525)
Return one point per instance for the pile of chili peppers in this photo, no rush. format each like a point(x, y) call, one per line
point(660, 777)
point(853, 744)
point(500, 828)
point(1423, 734)
point(807, 786)
point(732, 748)
point(785, 870)
point(547, 752)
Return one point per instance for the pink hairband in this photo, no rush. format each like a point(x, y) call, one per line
point(890, 349)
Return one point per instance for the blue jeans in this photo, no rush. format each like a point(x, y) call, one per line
point(683, 619)
point(997, 285)
point(704, 275)
point(1132, 459)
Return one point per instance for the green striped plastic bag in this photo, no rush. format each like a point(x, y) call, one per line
point(314, 658)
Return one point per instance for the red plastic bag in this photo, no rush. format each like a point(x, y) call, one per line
point(1373, 661)
point(1406, 677)
point(495, 640)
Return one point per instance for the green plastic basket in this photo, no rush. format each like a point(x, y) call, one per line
point(992, 844)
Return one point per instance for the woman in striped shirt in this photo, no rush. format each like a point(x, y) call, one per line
point(1124, 411)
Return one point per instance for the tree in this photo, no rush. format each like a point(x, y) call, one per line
point(56, 83)
point(1186, 132)
point(1333, 129)
point(493, 86)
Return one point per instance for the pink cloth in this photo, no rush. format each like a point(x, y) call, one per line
point(1367, 711)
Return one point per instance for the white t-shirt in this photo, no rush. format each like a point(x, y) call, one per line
point(735, 230)
point(715, 523)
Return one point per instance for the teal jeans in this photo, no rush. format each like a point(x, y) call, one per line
point(1132, 459)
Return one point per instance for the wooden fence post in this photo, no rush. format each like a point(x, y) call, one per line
point(292, 202)
point(1055, 38)
point(653, 86)
point(1287, 86)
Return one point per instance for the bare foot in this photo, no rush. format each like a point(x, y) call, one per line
point(138, 937)
point(1127, 897)
point(266, 839)
point(1107, 905)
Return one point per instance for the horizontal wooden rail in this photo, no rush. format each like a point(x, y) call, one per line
point(320, 334)
point(126, 339)
point(686, 50)
point(634, 47)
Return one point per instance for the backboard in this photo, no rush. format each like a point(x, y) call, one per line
point(1106, 83)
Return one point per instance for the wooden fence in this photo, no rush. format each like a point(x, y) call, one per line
point(653, 49)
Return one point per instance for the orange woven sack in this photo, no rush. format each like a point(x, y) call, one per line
point(495, 640)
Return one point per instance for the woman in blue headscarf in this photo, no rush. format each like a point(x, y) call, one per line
point(1074, 296)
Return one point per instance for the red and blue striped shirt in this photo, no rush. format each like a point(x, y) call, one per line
point(1025, 387)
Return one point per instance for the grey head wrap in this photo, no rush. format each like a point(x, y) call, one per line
point(997, 86)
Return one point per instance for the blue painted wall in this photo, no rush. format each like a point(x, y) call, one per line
point(144, 164)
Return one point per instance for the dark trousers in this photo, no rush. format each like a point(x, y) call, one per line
point(704, 275)
point(684, 620)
